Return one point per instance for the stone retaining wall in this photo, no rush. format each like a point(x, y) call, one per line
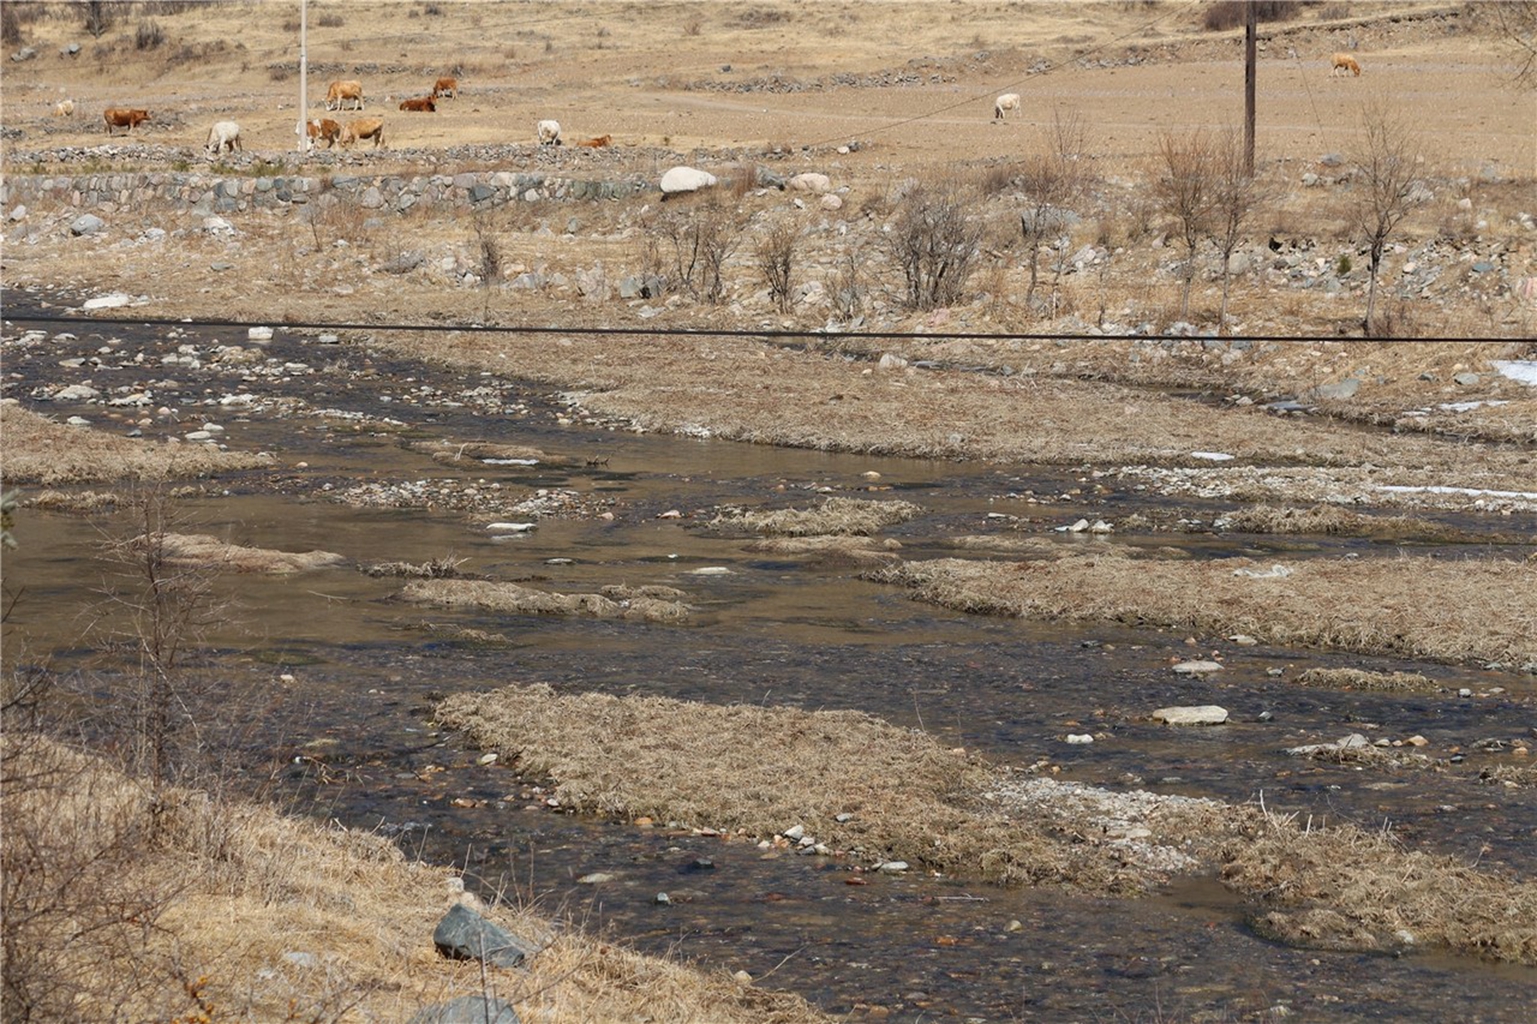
point(205, 193)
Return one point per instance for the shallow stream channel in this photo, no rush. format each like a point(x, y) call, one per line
point(326, 681)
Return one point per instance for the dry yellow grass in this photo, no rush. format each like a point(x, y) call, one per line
point(39, 451)
point(1359, 679)
point(455, 452)
point(835, 516)
point(1473, 609)
point(226, 891)
point(840, 549)
point(1344, 888)
point(204, 550)
point(638, 604)
point(1332, 520)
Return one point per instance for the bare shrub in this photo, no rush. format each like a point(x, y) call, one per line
point(10, 25)
point(1517, 22)
point(936, 240)
point(1236, 198)
point(1184, 184)
point(1384, 187)
point(699, 240)
point(1227, 14)
point(96, 16)
point(148, 35)
point(776, 261)
point(330, 20)
point(848, 290)
point(1051, 179)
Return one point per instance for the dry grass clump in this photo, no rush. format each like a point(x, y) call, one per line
point(1361, 679)
point(40, 451)
point(758, 771)
point(451, 452)
point(835, 516)
point(1331, 520)
point(127, 905)
point(202, 549)
point(1373, 756)
point(1003, 543)
point(432, 569)
point(844, 549)
point(75, 502)
point(1472, 609)
point(640, 605)
point(1521, 775)
point(1343, 888)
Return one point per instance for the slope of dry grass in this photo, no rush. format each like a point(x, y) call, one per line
point(1484, 610)
point(187, 904)
point(39, 451)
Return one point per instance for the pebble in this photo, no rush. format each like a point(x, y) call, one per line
point(1079, 738)
point(1204, 714)
point(1196, 668)
point(893, 867)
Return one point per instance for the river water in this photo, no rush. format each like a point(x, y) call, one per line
point(348, 733)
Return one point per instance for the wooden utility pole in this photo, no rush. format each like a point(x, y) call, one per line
point(304, 75)
point(1250, 30)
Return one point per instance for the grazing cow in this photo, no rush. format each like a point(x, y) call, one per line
point(548, 132)
point(1008, 101)
point(446, 87)
point(1346, 63)
point(423, 105)
point(365, 128)
point(224, 135)
point(597, 143)
point(341, 92)
point(322, 128)
point(64, 108)
point(124, 117)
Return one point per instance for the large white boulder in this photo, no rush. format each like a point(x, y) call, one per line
point(686, 179)
point(810, 181)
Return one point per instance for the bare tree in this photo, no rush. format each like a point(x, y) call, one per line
point(1517, 20)
point(1384, 189)
point(776, 261)
point(1236, 196)
point(935, 241)
point(701, 239)
point(1051, 179)
point(1183, 185)
point(96, 16)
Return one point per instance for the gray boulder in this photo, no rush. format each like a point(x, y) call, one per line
point(465, 935)
point(478, 1009)
point(86, 224)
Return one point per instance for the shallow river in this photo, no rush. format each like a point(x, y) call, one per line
point(349, 736)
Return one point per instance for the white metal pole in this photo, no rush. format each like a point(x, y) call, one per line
point(304, 75)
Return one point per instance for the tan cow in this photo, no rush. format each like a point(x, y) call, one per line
point(365, 128)
point(597, 143)
point(1346, 63)
point(323, 129)
point(124, 117)
point(446, 87)
point(422, 105)
point(340, 92)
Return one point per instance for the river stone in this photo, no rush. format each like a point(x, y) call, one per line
point(810, 181)
point(1205, 714)
point(1196, 668)
point(476, 1009)
point(463, 934)
point(1335, 392)
point(86, 224)
point(1467, 380)
point(686, 179)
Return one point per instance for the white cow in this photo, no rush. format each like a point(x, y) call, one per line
point(549, 133)
point(64, 108)
point(224, 135)
point(1008, 101)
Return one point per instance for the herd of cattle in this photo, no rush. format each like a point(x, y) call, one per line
point(224, 136)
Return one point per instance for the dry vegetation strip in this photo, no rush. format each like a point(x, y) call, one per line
point(835, 516)
point(39, 451)
point(202, 549)
point(1453, 611)
point(747, 391)
point(764, 770)
point(1360, 679)
point(1335, 521)
point(1345, 888)
point(643, 604)
point(758, 771)
point(116, 907)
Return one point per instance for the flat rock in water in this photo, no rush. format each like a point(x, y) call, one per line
point(1196, 668)
point(463, 934)
point(476, 1009)
point(1203, 714)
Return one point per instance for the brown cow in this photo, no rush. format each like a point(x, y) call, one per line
point(597, 143)
point(366, 128)
point(422, 105)
point(124, 117)
point(1346, 63)
point(446, 87)
point(323, 129)
point(340, 91)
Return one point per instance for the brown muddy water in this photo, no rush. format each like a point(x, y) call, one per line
point(324, 683)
